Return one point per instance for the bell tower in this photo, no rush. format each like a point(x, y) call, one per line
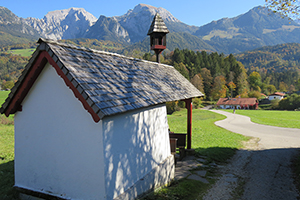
point(158, 34)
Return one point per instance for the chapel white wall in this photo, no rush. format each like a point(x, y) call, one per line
point(58, 146)
point(134, 143)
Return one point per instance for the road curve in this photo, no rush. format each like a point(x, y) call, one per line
point(263, 174)
point(270, 136)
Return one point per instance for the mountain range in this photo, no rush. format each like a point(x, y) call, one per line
point(256, 28)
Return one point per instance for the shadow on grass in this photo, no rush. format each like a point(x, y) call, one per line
point(7, 181)
point(216, 154)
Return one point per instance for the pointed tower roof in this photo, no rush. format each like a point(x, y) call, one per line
point(158, 25)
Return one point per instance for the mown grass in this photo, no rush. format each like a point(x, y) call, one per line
point(208, 139)
point(22, 52)
point(6, 154)
point(7, 162)
point(3, 119)
point(179, 190)
point(3, 96)
point(287, 119)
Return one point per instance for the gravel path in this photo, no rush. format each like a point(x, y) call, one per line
point(262, 170)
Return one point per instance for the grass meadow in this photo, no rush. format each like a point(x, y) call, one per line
point(287, 119)
point(208, 139)
point(22, 52)
point(6, 154)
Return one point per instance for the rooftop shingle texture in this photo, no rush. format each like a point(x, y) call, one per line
point(158, 25)
point(237, 101)
point(112, 83)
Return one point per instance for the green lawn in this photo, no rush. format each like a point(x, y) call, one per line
point(288, 119)
point(22, 52)
point(207, 138)
point(3, 96)
point(6, 155)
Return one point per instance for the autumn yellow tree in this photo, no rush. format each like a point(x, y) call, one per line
point(283, 87)
point(286, 8)
point(255, 81)
point(231, 87)
point(219, 88)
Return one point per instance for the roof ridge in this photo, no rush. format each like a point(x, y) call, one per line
point(97, 51)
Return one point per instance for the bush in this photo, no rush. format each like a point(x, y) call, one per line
point(181, 104)
point(197, 103)
point(274, 104)
point(291, 102)
point(172, 107)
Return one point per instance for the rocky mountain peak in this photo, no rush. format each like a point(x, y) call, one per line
point(144, 8)
point(78, 14)
point(7, 17)
point(63, 24)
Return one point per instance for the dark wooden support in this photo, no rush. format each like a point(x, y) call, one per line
point(157, 57)
point(158, 52)
point(189, 106)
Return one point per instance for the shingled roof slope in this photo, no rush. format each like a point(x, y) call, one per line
point(108, 82)
point(158, 25)
point(237, 101)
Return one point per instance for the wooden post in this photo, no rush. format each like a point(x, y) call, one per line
point(157, 56)
point(189, 106)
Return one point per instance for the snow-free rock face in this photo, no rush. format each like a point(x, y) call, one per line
point(138, 20)
point(130, 27)
point(63, 24)
point(12, 25)
point(108, 28)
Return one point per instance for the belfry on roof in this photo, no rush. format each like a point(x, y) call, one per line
point(158, 38)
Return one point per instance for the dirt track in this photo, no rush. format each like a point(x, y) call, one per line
point(262, 170)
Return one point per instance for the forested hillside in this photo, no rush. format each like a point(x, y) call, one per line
point(218, 75)
point(277, 58)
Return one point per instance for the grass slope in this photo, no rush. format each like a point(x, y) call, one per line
point(3, 96)
point(209, 140)
point(287, 119)
point(22, 52)
point(6, 156)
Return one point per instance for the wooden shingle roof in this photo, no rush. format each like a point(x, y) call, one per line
point(237, 101)
point(158, 25)
point(105, 83)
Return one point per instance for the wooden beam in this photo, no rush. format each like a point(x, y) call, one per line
point(189, 107)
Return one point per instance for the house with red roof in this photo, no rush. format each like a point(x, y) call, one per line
point(276, 96)
point(237, 103)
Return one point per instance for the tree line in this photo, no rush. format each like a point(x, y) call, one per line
point(217, 75)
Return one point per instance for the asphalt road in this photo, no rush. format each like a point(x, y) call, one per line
point(264, 172)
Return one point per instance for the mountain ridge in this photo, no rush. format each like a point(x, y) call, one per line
point(253, 29)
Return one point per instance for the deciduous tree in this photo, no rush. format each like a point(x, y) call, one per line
point(286, 8)
point(197, 81)
point(219, 89)
point(255, 81)
point(207, 80)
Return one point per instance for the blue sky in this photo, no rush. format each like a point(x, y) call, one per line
point(191, 12)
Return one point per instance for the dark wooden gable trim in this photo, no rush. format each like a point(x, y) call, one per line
point(36, 69)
